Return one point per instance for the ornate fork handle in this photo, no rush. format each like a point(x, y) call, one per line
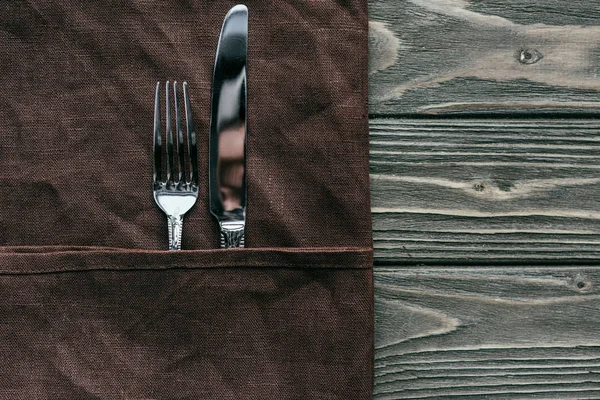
point(175, 223)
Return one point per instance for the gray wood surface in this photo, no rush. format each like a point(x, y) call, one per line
point(488, 56)
point(485, 190)
point(486, 230)
point(487, 333)
point(517, 200)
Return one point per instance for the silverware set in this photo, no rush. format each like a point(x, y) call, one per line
point(176, 191)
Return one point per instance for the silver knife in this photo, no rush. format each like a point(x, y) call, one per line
point(228, 129)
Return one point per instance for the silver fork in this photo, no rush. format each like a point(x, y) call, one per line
point(175, 195)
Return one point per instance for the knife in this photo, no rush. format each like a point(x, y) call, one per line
point(228, 129)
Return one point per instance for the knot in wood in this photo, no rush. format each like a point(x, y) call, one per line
point(582, 283)
point(529, 56)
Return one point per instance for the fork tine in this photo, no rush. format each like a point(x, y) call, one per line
point(157, 145)
point(191, 134)
point(170, 163)
point(180, 150)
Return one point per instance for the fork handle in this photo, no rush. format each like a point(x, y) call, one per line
point(175, 231)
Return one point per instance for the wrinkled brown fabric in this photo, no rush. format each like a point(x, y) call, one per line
point(91, 306)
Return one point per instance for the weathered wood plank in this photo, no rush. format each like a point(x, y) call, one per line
point(485, 190)
point(461, 56)
point(483, 332)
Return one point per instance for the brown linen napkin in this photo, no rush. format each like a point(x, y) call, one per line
point(91, 306)
point(76, 120)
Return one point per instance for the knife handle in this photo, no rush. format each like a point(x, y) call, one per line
point(233, 234)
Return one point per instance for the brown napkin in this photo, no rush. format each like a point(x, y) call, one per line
point(76, 120)
point(90, 304)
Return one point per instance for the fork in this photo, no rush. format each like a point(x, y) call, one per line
point(175, 195)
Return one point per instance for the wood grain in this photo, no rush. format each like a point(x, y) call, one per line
point(490, 56)
point(483, 332)
point(506, 212)
point(485, 190)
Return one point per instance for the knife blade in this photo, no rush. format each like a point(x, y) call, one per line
point(228, 129)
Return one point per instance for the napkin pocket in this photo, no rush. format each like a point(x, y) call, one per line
point(256, 323)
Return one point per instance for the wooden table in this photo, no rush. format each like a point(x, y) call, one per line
point(485, 141)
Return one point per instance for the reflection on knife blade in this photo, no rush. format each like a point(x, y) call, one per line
point(227, 158)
